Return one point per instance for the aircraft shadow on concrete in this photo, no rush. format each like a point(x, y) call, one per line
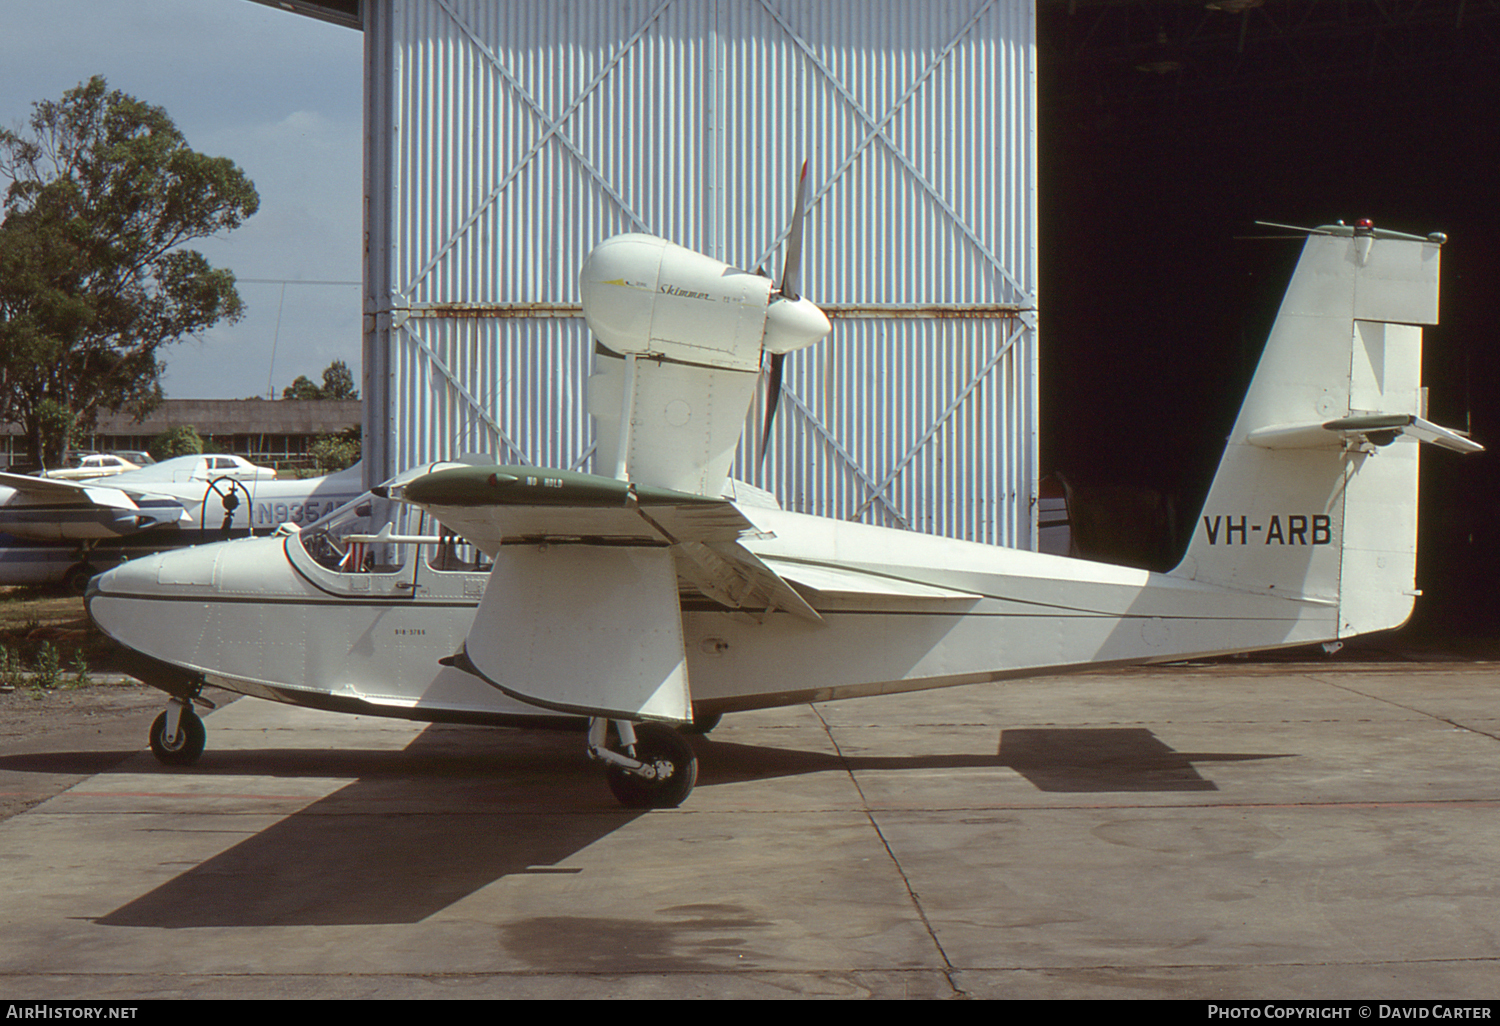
point(1068, 759)
point(74, 763)
point(420, 829)
point(415, 831)
point(1107, 759)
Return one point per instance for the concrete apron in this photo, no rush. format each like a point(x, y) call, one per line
point(1265, 831)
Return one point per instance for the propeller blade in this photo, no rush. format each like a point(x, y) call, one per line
point(790, 288)
point(791, 271)
point(773, 399)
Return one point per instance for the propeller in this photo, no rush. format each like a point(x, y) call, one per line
point(791, 274)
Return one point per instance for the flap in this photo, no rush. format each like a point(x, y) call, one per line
point(733, 576)
point(844, 581)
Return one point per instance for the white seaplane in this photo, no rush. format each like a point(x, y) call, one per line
point(657, 595)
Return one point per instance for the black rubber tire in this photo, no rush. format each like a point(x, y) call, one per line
point(186, 747)
point(654, 741)
point(76, 580)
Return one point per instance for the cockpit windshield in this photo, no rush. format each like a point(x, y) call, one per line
point(336, 540)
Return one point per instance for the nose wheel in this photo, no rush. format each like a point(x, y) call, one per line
point(650, 766)
point(177, 736)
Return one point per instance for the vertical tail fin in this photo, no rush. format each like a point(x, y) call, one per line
point(1316, 496)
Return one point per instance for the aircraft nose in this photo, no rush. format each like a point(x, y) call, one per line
point(162, 572)
point(131, 602)
point(132, 577)
point(113, 599)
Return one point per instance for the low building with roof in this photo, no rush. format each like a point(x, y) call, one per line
point(272, 432)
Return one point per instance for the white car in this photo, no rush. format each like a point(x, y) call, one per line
point(93, 466)
point(205, 468)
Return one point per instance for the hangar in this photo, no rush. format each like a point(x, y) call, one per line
point(1167, 131)
point(1163, 130)
point(503, 141)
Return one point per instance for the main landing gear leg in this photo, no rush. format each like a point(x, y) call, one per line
point(651, 766)
point(76, 579)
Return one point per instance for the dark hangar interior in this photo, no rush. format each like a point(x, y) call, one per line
point(1166, 130)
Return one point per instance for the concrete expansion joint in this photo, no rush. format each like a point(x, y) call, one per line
point(912, 896)
point(1414, 709)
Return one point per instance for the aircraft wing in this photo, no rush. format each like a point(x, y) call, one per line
point(492, 505)
point(590, 622)
point(49, 489)
point(49, 509)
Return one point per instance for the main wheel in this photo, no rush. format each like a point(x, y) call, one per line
point(184, 749)
point(76, 580)
point(656, 743)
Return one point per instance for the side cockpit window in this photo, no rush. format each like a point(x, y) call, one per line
point(454, 555)
point(349, 540)
point(375, 535)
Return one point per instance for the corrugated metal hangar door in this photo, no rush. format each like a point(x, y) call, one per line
point(507, 139)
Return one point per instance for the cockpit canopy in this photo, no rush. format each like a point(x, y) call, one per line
point(376, 534)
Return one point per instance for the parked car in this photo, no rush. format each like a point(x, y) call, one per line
point(206, 467)
point(92, 466)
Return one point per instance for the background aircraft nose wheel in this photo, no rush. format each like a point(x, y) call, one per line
point(660, 746)
point(184, 748)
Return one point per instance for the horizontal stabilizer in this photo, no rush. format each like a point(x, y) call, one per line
point(1378, 428)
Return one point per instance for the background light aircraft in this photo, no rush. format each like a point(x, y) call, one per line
point(65, 531)
point(656, 594)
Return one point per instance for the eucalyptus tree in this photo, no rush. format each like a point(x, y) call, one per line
point(95, 273)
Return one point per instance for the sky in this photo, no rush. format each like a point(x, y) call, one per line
point(278, 94)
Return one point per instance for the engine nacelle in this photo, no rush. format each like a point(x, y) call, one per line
point(683, 337)
point(645, 296)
